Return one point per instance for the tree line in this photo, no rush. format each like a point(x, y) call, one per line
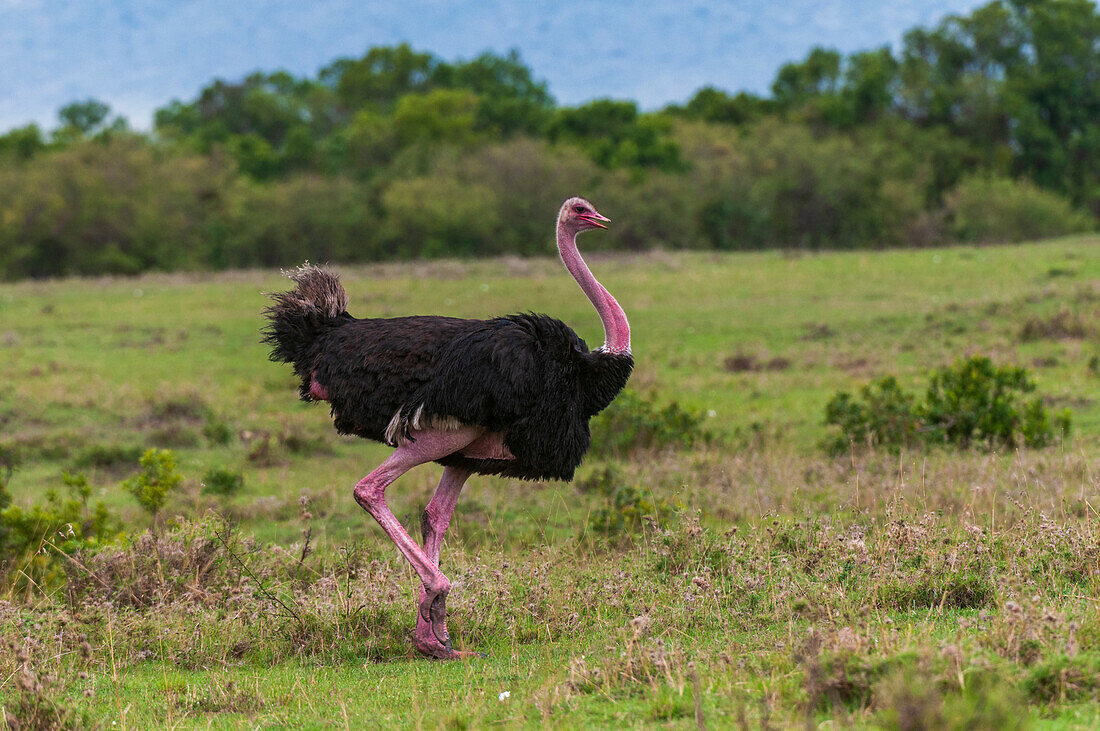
point(985, 127)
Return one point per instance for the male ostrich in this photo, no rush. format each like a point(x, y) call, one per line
point(507, 396)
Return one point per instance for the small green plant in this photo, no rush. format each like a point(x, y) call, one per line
point(66, 523)
point(220, 481)
point(634, 422)
point(626, 509)
point(971, 402)
point(9, 460)
point(159, 476)
point(217, 431)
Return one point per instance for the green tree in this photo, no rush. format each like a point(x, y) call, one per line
point(85, 117)
point(22, 143)
point(159, 477)
point(710, 104)
point(439, 116)
point(380, 77)
point(614, 134)
point(509, 98)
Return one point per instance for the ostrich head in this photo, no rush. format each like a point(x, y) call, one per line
point(578, 215)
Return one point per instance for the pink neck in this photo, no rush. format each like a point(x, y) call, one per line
point(616, 329)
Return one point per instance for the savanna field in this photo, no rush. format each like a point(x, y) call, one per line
point(712, 565)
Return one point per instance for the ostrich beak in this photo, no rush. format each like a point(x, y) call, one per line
point(595, 219)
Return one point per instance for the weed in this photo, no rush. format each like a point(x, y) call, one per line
point(222, 696)
point(185, 407)
point(174, 435)
point(39, 700)
point(34, 537)
point(817, 331)
point(744, 362)
point(956, 591)
point(1061, 679)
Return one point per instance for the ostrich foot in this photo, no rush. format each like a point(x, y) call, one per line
point(431, 637)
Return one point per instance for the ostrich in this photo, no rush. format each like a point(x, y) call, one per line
point(507, 396)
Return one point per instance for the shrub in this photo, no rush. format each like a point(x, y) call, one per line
point(626, 506)
point(1062, 325)
point(970, 402)
point(67, 522)
point(221, 481)
point(158, 477)
point(976, 401)
point(885, 415)
point(635, 421)
point(1003, 210)
point(107, 455)
point(217, 431)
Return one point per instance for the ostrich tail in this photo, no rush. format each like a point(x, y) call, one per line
point(316, 305)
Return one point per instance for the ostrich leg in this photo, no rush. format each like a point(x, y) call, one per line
point(370, 493)
point(434, 523)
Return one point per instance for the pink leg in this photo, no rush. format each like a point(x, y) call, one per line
point(434, 523)
point(370, 493)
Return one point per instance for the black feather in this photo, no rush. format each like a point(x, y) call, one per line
point(527, 376)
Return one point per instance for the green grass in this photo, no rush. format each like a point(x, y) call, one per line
point(786, 583)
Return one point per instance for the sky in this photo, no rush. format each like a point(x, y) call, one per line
point(138, 55)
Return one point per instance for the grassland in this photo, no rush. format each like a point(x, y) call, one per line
point(771, 585)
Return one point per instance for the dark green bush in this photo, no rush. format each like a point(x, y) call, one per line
point(1001, 209)
point(975, 401)
point(216, 431)
point(634, 421)
point(883, 414)
point(107, 455)
point(626, 509)
point(220, 481)
point(972, 402)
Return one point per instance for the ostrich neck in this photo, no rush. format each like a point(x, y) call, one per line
point(616, 329)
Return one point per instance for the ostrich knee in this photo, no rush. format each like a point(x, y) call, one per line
point(371, 496)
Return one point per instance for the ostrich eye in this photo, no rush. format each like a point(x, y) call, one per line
point(579, 209)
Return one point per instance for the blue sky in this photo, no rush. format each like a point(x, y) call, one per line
point(137, 55)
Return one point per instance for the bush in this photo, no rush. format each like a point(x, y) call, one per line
point(67, 522)
point(636, 422)
point(884, 416)
point(970, 402)
point(221, 481)
point(987, 209)
point(216, 431)
point(626, 506)
point(107, 455)
point(976, 401)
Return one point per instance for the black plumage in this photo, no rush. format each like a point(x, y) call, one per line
point(526, 376)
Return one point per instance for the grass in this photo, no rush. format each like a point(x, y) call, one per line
point(775, 585)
